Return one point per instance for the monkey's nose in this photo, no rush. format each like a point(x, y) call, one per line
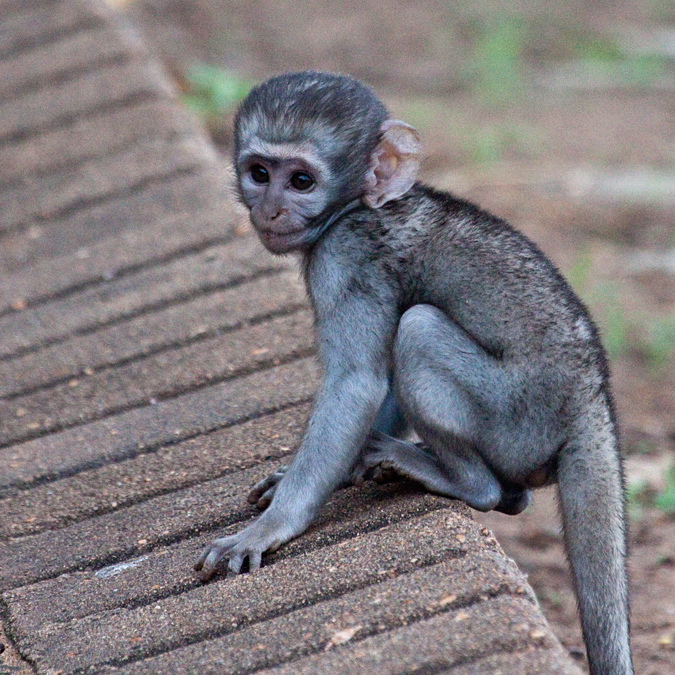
point(272, 212)
point(277, 213)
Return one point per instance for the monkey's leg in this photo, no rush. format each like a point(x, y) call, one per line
point(445, 381)
point(453, 476)
point(418, 463)
point(410, 460)
point(390, 419)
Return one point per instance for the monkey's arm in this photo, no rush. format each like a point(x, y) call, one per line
point(354, 337)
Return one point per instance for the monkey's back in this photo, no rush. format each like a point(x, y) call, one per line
point(486, 276)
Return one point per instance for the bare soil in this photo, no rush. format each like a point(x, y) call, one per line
point(560, 118)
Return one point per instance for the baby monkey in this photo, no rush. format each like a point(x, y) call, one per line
point(435, 316)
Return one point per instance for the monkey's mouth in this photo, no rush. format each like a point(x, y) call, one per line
point(280, 242)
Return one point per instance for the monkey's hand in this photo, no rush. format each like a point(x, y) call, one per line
point(267, 533)
point(262, 492)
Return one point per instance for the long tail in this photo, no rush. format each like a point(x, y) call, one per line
point(590, 481)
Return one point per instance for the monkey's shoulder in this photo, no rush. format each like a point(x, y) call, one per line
point(443, 218)
point(463, 257)
point(449, 231)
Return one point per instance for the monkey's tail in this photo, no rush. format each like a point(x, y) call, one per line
point(590, 482)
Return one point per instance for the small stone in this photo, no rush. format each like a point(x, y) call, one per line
point(447, 600)
point(342, 636)
point(259, 352)
point(666, 640)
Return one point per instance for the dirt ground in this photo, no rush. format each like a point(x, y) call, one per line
point(559, 117)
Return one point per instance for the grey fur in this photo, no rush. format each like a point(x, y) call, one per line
point(432, 311)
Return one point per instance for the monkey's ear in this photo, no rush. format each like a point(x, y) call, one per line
point(394, 164)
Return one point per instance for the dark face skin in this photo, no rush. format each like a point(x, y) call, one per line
point(285, 186)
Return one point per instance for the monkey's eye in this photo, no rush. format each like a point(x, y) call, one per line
point(302, 181)
point(259, 174)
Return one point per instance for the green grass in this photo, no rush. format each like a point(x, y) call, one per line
point(640, 495)
point(615, 327)
point(651, 338)
point(665, 499)
point(580, 274)
point(636, 499)
point(604, 56)
point(491, 143)
point(213, 91)
point(497, 59)
point(506, 45)
point(658, 344)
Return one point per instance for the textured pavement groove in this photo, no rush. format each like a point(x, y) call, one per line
point(121, 254)
point(141, 429)
point(142, 291)
point(161, 568)
point(196, 319)
point(28, 24)
point(111, 132)
point(92, 182)
point(165, 469)
point(61, 61)
point(157, 377)
point(370, 610)
point(441, 643)
point(58, 104)
point(178, 191)
point(155, 362)
point(324, 573)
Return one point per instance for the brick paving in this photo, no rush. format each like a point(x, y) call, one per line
point(154, 363)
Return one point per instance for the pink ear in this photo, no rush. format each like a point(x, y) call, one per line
point(394, 164)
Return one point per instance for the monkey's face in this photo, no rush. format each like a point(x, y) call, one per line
point(284, 186)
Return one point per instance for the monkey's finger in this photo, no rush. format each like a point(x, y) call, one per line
point(358, 478)
point(204, 569)
point(234, 566)
point(200, 561)
point(254, 559)
point(211, 556)
point(265, 484)
point(265, 500)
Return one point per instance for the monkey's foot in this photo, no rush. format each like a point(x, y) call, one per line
point(260, 536)
point(262, 492)
point(375, 462)
point(382, 473)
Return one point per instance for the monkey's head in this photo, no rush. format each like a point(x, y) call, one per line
point(308, 144)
